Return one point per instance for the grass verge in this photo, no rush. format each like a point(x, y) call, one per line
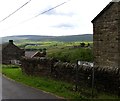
point(56, 87)
point(59, 88)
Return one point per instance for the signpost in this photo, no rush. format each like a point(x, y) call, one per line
point(83, 63)
point(76, 77)
point(91, 65)
point(79, 63)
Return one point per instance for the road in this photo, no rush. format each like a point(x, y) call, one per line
point(14, 90)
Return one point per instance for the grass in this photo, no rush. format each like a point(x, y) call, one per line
point(49, 45)
point(56, 87)
point(64, 51)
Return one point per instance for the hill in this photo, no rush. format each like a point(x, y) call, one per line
point(71, 38)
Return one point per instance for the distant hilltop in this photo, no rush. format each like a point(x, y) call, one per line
point(70, 38)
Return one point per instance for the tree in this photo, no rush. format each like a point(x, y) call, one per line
point(82, 44)
point(44, 51)
point(88, 45)
point(40, 50)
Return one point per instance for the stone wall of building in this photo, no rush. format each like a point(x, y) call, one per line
point(119, 32)
point(107, 37)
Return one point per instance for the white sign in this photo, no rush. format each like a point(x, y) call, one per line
point(80, 62)
point(91, 64)
point(84, 63)
point(115, 0)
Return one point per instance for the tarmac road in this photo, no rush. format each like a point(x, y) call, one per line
point(14, 90)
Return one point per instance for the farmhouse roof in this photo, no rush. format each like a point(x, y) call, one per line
point(4, 45)
point(37, 54)
point(29, 53)
point(7, 44)
point(106, 8)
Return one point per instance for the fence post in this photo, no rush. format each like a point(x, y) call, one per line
point(51, 64)
point(119, 84)
point(76, 77)
point(93, 74)
point(93, 81)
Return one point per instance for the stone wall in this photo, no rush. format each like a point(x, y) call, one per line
point(106, 79)
point(35, 66)
point(107, 38)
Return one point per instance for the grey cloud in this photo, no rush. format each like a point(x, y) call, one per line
point(53, 12)
point(65, 26)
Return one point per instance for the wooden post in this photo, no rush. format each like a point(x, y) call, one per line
point(93, 82)
point(51, 65)
point(76, 78)
point(118, 85)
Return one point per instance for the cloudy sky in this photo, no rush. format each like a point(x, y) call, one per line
point(71, 18)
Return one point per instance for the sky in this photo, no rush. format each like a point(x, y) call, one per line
point(71, 18)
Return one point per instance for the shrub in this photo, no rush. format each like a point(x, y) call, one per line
point(82, 54)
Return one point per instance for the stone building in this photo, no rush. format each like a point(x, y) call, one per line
point(11, 53)
point(106, 37)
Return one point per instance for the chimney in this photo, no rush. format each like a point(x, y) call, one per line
point(11, 41)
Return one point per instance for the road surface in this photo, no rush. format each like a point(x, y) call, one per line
point(14, 90)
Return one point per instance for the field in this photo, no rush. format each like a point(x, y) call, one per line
point(64, 51)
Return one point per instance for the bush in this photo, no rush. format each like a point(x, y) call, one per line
point(82, 54)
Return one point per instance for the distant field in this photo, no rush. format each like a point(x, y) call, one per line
point(64, 51)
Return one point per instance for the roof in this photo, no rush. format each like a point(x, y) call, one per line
point(2, 46)
point(29, 53)
point(38, 54)
point(107, 7)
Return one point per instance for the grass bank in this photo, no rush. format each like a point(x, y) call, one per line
point(59, 88)
point(56, 87)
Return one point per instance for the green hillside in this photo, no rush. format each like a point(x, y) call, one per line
point(72, 38)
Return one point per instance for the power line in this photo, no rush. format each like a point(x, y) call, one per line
point(15, 11)
point(37, 14)
point(46, 11)
point(51, 8)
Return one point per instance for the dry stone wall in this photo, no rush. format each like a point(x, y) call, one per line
point(106, 79)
